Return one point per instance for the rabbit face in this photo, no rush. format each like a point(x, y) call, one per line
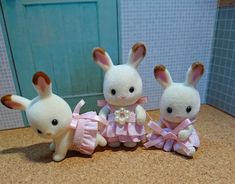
point(48, 114)
point(49, 117)
point(179, 101)
point(122, 83)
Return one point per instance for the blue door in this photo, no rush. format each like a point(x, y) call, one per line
point(57, 37)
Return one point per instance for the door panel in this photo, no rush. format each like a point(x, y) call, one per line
point(57, 37)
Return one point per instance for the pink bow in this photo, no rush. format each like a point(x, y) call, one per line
point(91, 115)
point(142, 100)
point(167, 137)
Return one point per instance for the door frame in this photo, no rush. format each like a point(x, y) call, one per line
point(119, 27)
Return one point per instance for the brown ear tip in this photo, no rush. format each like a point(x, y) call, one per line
point(40, 74)
point(6, 98)
point(198, 64)
point(137, 46)
point(97, 50)
point(158, 68)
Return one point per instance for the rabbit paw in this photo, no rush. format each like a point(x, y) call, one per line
point(140, 118)
point(130, 144)
point(183, 135)
point(192, 151)
point(114, 144)
point(58, 157)
point(52, 146)
point(100, 140)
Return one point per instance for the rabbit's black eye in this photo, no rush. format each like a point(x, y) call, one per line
point(188, 109)
point(132, 89)
point(39, 131)
point(169, 110)
point(113, 91)
point(54, 122)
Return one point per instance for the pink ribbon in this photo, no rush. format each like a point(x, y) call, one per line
point(142, 100)
point(76, 117)
point(101, 103)
point(168, 137)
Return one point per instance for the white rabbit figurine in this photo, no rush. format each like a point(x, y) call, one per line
point(179, 105)
point(122, 88)
point(51, 117)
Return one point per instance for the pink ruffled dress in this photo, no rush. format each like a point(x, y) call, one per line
point(85, 130)
point(130, 131)
point(167, 138)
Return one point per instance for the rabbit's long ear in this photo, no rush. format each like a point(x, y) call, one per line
point(137, 53)
point(162, 76)
point(15, 102)
point(194, 73)
point(102, 58)
point(42, 84)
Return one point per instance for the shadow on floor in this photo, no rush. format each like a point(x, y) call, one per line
point(36, 152)
point(39, 153)
point(120, 148)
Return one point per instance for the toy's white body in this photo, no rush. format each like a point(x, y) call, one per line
point(48, 115)
point(122, 86)
point(180, 101)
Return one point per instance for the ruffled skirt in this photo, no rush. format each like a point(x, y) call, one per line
point(84, 139)
point(129, 132)
point(160, 143)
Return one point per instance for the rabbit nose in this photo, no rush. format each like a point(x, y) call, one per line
point(122, 97)
point(48, 134)
point(178, 117)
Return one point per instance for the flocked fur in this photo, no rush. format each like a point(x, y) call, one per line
point(42, 110)
point(122, 78)
point(178, 97)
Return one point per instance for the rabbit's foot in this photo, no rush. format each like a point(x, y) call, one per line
point(52, 146)
point(100, 140)
point(58, 157)
point(114, 144)
point(192, 151)
point(130, 144)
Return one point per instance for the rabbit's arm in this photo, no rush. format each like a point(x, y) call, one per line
point(161, 124)
point(52, 146)
point(140, 115)
point(185, 133)
point(62, 145)
point(104, 112)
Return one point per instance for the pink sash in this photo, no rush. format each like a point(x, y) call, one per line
point(168, 136)
point(86, 116)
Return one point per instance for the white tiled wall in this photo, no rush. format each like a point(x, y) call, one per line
point(176, 33)
point(221, 88)
point(8, 118)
